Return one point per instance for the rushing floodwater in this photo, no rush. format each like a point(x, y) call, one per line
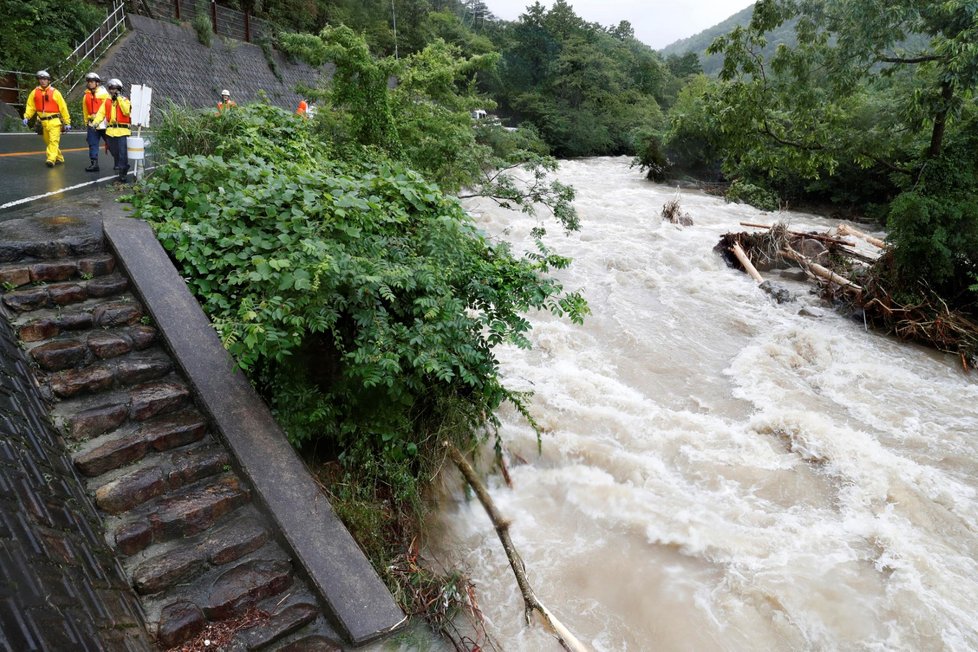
point(720, 472)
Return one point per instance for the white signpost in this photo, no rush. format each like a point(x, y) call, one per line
point(141, 97)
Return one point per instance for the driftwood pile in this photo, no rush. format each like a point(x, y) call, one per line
point(851, 269)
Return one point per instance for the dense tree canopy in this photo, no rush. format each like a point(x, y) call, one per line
point(869, 107)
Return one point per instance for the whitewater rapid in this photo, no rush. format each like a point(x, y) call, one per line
point(718, 471)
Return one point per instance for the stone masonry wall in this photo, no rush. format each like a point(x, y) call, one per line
point(60, 585)
point(169, 58)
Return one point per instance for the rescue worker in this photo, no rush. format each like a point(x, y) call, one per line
point(303, 107)
point(95, 96)
point(226, 101)
point(46, 103)
point(116, 113)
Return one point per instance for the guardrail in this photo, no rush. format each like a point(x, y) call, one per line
point(100, 40)
point(14, 84)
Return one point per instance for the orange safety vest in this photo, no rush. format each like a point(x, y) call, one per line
point(42, 97)
point(92, 103)
point(117, 117)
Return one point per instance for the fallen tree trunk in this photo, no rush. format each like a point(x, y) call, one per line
point(567, 640)
point(819, 271)
point(845, 229)
point(745, 261)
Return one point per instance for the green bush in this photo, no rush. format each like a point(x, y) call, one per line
point(934, 227)
point(364, 302)
point(748, 193)
point(651, 158)
point(205, 30)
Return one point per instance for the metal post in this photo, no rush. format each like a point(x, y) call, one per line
point(247, 26)
point(214, 15)
point(176, 3)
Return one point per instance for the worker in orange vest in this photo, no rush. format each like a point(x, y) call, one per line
point(94, 98)
point(303, 107)
point(47, 104)
point(116, 113)
point(226, 101)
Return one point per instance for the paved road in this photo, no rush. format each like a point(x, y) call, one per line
point(24, 177)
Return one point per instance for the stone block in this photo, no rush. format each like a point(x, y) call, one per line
point(190, 466)
point(142, 336)
point(154, 398)
point(130, 538)
point(63, 294)
point(141, 368)
point(55, 356)
point(192, 511)
point(162, 572)
point(112, 455)
point(86, 380)
point(315, 643)
point(179, 622)
point(107, 286)
point(108, 345)
point(131, 490)
point(38, 330)
point(15, 275)
point(245, 585)
point(116, 314)
point(47, 272)
point(27, 300)
point(97, 420)
point(281, 624)
point(235, 541)
point(97, 265)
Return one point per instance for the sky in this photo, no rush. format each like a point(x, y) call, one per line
point(656, 22)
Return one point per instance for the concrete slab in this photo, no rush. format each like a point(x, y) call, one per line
point(353, 593)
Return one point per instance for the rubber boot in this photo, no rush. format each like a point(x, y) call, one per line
point(123, 173)
point(93, 167)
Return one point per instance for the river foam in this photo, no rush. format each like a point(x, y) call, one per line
point(720, 472)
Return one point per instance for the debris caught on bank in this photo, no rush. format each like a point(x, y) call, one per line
point(851, 270)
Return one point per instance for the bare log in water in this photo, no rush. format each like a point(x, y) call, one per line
point(567, 640)
point(745, 261)
point(845, 229)
point(822, 272)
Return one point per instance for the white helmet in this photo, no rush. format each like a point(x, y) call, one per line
point(225, 92)
point(114, 83)
point(43, 74)
point(92, 76)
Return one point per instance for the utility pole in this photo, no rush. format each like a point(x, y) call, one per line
point(394, 18)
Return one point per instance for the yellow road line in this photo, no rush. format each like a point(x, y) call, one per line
point(73, 149)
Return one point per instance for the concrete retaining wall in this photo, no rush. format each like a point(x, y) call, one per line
point(169, 58)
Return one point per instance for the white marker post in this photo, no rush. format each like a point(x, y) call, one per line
point(141, 97)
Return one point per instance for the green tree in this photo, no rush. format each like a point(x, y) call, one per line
point(868, 96)
point(41, 33)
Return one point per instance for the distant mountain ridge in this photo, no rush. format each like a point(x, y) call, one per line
point(698, 43)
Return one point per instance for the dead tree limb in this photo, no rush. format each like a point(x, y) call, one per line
point(819, 271)
point(738, 251)
point(845, 229)
point(530, 602)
